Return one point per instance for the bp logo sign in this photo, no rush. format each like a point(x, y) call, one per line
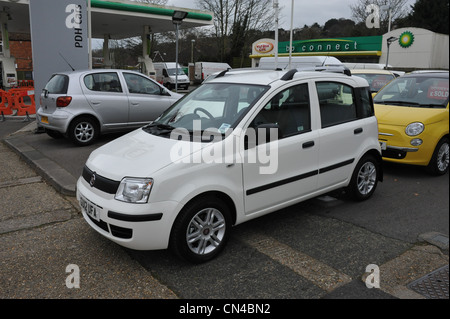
point(406, 39)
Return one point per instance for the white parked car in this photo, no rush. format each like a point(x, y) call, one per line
point(242, 145)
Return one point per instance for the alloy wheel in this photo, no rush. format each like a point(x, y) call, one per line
point(367, 177)
point(205, 231)
point(84, 132)
point(443, 157)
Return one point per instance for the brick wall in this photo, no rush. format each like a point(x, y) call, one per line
point(21, 50)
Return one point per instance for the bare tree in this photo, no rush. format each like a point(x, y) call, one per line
point(237, 17)
point(399, 9)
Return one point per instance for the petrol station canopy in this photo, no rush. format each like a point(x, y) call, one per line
point(119, 19)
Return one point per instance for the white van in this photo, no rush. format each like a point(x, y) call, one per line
point(298, 62)
point(166, 75)
point(205, 69)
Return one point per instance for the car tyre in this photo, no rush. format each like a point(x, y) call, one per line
point(440, 160)
point(83, 131)
point(201, 230)
point(364, 179)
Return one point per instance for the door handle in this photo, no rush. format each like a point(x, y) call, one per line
point(95, 102)
point(358, 130)
point(308, 144)
point(135, 103)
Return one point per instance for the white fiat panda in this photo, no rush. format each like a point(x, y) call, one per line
point(244, 144)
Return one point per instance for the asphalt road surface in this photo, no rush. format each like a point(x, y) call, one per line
point(321, 248)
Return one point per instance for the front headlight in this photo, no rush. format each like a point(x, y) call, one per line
point(414, 129)
point(134, 190)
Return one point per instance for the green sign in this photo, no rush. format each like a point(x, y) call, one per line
point(353, 44)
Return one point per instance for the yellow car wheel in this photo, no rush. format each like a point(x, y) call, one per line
point(440, 160)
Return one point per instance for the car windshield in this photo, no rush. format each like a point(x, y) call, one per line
point(415, 91)
point(376, 81)
point(173, 72)
point(215, 107)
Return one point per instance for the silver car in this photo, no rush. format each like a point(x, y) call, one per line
point(83, 104)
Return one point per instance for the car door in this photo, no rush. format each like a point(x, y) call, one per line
point(146, 99)
point(342, 132)
point(284, 170)
point(107, 98)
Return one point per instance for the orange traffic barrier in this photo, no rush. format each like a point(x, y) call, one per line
point(5, 106)
point(25, 83)
point(23, 101)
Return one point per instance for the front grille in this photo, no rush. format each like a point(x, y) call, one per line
point(116, 231)
point(121, 232)
point(102, 183)
point(100, 224)
point(393, 153)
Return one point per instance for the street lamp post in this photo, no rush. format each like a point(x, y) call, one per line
point(192, 50)
point(389, 41)
point(290, 37)
point(276, 7)
point(177, 19)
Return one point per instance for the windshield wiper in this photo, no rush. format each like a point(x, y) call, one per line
point(163, 126)
point(406, 103)
point(433, 105)
point(158, 129)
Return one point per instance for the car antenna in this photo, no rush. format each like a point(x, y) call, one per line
point(66, 61)
point(328, 54)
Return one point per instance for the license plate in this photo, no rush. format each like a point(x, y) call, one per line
point(44, 119)
point(383, 146)
point(90, 208)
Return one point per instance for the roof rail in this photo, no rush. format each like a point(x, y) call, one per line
point(222, 73)
point(289, 75)
point(335, 69)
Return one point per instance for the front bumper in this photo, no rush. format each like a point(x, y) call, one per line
point(398, 147)
point(135, 226)
point(396, 152)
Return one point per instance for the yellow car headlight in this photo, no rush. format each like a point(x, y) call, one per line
point(414, 129)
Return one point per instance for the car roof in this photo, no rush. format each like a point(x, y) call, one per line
point(84, 71)
point(266, 77)
point(436, 74)
point(371, 71)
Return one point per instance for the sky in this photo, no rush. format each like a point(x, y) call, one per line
point(305, 11)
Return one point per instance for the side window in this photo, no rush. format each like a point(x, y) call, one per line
point(141, 85)
point(289, 110)
point(337, 103)
point(103, 82)
point(365, 107)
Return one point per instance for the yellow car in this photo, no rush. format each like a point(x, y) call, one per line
point(412, 113)
point(376, 78)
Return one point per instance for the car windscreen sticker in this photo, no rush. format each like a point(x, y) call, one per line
point(438, 91)
point(224, 127)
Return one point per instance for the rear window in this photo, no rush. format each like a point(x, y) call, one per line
point(57, 84)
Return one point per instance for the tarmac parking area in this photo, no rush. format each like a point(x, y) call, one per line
point(317, 249)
